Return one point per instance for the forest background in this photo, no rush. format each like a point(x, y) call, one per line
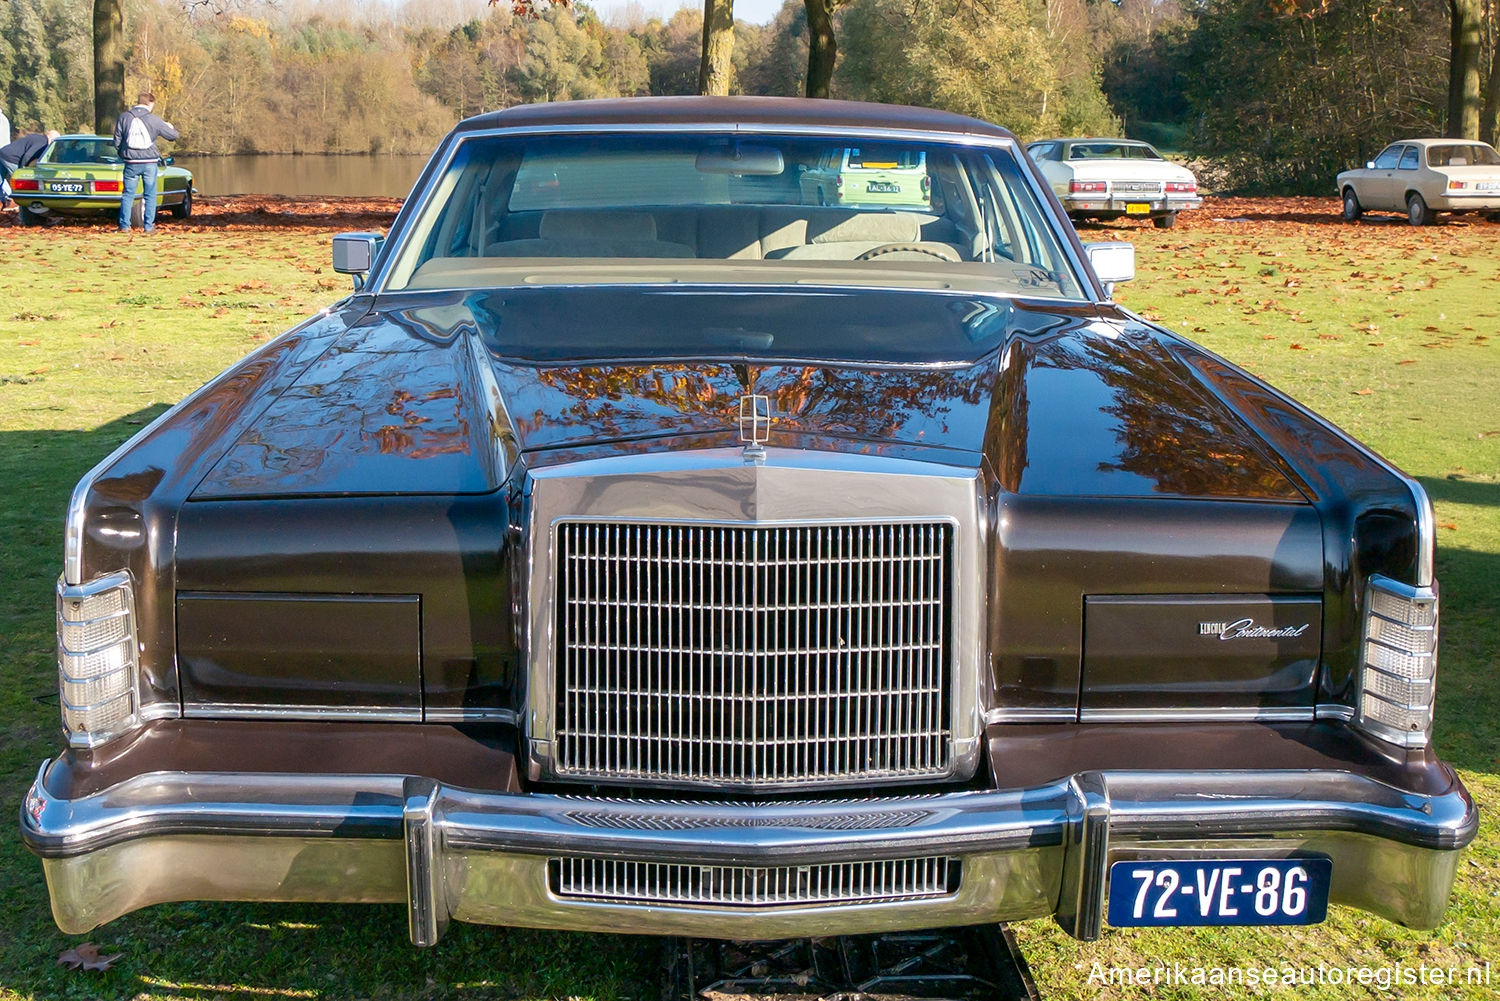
point(1267, 96)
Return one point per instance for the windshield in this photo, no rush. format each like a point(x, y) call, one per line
point(731, 209)
point(1112, 151)
point(83, 151)
point(1462, 155)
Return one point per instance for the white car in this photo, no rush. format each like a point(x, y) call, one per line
point(1110, 178)
point(1423, 176)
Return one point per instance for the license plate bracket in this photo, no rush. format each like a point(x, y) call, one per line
point(1203, 892)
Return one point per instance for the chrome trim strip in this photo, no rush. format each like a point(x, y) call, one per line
point(1142, 804)
point(395, 243)
point(471, 715)
point(1255, 714)
point(1426, 529)
point(1335, 711)
point(1007, 714)
point(282, 711)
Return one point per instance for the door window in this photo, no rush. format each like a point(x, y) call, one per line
point(1388, 157)
point(1410, 158)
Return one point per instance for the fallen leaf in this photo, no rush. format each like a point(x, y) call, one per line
point(1297, 347)
point(1449, 525)
point(1364, 392)
point(86, 957)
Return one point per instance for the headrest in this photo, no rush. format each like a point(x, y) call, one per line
point(865, 227)
point(577, 225)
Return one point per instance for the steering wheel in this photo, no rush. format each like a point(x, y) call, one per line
point(941, 253)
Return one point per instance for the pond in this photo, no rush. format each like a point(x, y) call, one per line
point(305, 175)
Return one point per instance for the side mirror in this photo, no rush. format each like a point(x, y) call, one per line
point(167, 161)
point(1113, 262)
point(354, 254)
point(1369, 164)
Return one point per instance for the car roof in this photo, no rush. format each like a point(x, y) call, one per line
point(1093, 139)
point(1436, 142)
point(731, 112)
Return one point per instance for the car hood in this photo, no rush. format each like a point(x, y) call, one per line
point(440, 393)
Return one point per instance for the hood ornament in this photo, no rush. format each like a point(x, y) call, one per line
point(755, 425)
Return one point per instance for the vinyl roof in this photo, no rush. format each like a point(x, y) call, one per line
point(733, 111)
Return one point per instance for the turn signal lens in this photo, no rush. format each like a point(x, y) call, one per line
point(1182, 187)
point(1398, 662)
point(108, 187)
point(25, 184)
point(1075, 187)
point(96, 659)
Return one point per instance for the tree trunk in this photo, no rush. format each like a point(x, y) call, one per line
point(717, 65)
point(1489, 122)
point(1465, 84)
point(822, 47)
point(109, 64)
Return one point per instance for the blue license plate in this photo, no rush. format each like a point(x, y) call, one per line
point(1219, 892)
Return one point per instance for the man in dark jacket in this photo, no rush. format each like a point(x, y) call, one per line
point(136, 133)
point(22, 153)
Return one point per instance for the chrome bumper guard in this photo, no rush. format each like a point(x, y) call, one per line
point(457, 854)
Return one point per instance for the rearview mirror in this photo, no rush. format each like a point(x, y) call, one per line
point(763, 161)
point(1112, 262)
point(354, 254)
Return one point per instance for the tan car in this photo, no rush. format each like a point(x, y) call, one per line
point(1423, 176)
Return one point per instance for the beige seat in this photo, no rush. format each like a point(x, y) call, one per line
point(587, 233)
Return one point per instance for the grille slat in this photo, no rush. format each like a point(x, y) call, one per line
point(629, 882)
point(753, 656)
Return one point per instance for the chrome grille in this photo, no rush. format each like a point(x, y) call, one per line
point(753, 886)
point(754, 657)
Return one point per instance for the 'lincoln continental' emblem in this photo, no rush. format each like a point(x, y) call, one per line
point(1246, 629)
point(755, 423)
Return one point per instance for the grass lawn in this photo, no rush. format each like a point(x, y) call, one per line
point(1394, 333)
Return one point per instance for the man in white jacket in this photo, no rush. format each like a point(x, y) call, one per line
point(136, 133)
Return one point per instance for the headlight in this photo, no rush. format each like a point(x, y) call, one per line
point(1398, 661)
point(96, 659)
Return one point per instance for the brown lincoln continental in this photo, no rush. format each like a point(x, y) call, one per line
point(646, 546)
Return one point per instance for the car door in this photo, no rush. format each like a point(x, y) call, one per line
point(1407, 176)
point(1376, 188)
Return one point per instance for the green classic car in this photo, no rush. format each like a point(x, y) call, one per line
point(83, 175)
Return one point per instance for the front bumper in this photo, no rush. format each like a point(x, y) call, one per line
point(451, 853)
